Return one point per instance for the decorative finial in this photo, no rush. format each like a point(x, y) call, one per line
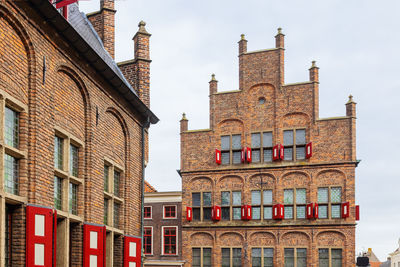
point(279, 30)
point(184, 116)
point(313, 65)
point(350, 100)
point(213, 77)
point(142, 27)
point(242, 37)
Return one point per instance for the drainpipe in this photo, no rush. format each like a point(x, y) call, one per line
point(145, 126)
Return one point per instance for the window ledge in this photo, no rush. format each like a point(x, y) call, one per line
point(107, 195)
point(118, 199)
point(15, 152)
point(60, 173)
point(15, 199)
point(76, 179)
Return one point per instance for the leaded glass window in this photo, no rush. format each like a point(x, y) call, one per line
point(268, 257)
point(267, 197)
point(117, 182)
point(106, 177)
point(323, 195)
point(11, 127)
point(322, 211)
point(301, 257)
point(256, 257)
point(288, 196)
point(105, 217)
point(289, 257)
point(255, 147)
point(207, 257)
point(11, 174)
point(336, 194)
point(336, 211)
point(237, 257)
point(58, 152)
point(267, 213)
point(323, 257)
point(256, 198)
point(301, 196)
point(267, 146)
point(74, 160)
point(226, 257)
point(300, 144)
point(117, 215)
point(57, 192)
point(73, 198)
point(336, 257)
point(237, 198)
point(196, 257)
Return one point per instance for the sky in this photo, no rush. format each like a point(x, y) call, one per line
point(356, 45)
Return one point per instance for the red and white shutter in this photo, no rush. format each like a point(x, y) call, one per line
point(310, 211)
point(243, 155)
point(248, 154)
point(357, 212)
point(275, 152)
point(278, 212)
point(189, 214)
point(243, 212)
point(316, 210)
point(39, 236)
point(93, 245)
point(218, 156)
point(281, 152)
point(132, 251)
point(249, 216)
point(345, 209)
point(282, 211)
point(309, 150)
point(216, 213)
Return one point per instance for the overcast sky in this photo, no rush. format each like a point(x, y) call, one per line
point(356, 45)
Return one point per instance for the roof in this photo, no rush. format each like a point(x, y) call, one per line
point(79, 32)
point(148, 188)
point(385, 264)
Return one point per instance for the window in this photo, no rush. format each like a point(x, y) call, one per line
point(201, 205)
point(231, 203)
point(231, 149)
point(117, 215)
point(261, 204)
point(231, 257)
point(73, 198)
point(105, 217)
point(11, 174)
point(294, 142)
point(169, 240)
point(117, 178)
point(329, 198)
point(262, 257)
point(58, 152)
point(201, 257)
point(256, 204)
point(169, 212)
point(106, 177)
point(147, 240)
point(57, 193)
point(261, 148)
point(330, 257)
point(295, 203)
point(112, 179)
point(73, 160)
point(11, 128)
point(295, 257)
point(147, 213)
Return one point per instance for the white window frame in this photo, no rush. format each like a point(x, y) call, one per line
point(176, 212)
point(151, 213)
point(177, 240)
point(152, 240)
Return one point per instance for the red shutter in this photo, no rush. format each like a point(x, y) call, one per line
point(39, 236)
point(310, 211)
point(54, 238)
point(249, 216)
point(216, 213)
point(275, 152)
point(281, 152)
point(345, 209)
point(316, 210)
point(357, 212)
point(93, 245)
point(248, 154)
point(246, 212)
point(309, 150)
point(63, 3)
point(132, 251)
point(243, 155)
point(243, 212)
point(278, 211)
point(218, 156)
point(189, 214)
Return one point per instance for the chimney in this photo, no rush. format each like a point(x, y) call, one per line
point(142, 59)
point(242, 50)
point(213, 85)
point(184, 123)
point(280, 39)
point(314, 76)
point(213, 90)
point(351, 112)
point(242, 45)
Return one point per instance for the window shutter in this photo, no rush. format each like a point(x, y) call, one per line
point(357, 212)
point(278, 211)
point(132, 251)
point(54, 237)
point(218, 156)
point(248, 214)
point(60, 4)
point(93, 246)
point(243, 212)
point(243, 155)
point(281, 152)
point(248, 154)
point(275, 152)
point(39, 236)
point(282, 209)
point(189, 214)
point(310, 211)
point(316, 210)
point(216, 213)
point(309, 150)
point(345, 209)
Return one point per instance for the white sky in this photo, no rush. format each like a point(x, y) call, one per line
point(355, 43)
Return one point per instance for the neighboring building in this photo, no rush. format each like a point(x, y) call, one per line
point(387, 263)
point(73, 133)
point(270, 182)
point(373, 259)
point(162, 243)
point(395, 257)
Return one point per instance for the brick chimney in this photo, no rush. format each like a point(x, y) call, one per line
point(242, 50)
point(213, 90)
point(103, 22)
point(184, 123)
point(314, 77)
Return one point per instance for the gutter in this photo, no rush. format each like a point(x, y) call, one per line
point(51, 15)
point(145, 126)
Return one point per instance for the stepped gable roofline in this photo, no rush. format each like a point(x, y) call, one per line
point(79, 32)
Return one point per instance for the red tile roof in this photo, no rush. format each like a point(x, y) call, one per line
point(148, 188)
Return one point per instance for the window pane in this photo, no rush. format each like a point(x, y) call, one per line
point(288, 212)
point(301, 196)
point(256, 257)
point(323, 195)
point(225, 142)
point(207, 214)
point(57, 192)
point(225, 213)
point(237, 157)
point(105, 217)
point(301, 137)
point(323, 257)
point(73, 164)
point(256, 213)
point(301, 257)
point(301, 212)
point(336, 257)
point(323, 211)
point(11, 174)
point(236, 214)
point(117, 180)
point(288, 196)
point(106, 175)
point(267, 197)
point(267, 139)
point(225, 198)
point(206, 199)
point(236, 142)
point(11, 127)
point(267, 213)
point(268, 257)
point(73, 198)
point(336, 194)
point(336, 211)
point(58, 152)
point(196, 257)
point(237, 198)
point(196, 199)
point(288, 153)
point(147, 237)
point(237, 257)
point(206, 257)
point(255, 140)
point(267, 154)
point(256, 197)
point(226, 261)
point(255, 155)
point(225, 158)
point(300, 152)
point(289, 257)
point(288, 138)
point(196, 214)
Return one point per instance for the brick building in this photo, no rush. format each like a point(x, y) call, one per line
point(73, 137)
point(270, 183)
point(162, 244)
